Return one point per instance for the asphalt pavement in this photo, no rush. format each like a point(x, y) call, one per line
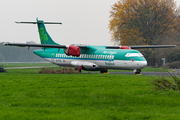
point(176, 72)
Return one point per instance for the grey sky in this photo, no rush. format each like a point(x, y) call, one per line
point(84, 21)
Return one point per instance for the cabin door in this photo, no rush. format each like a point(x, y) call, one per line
point(52, 57)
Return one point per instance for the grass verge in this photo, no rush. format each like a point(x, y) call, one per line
point(26, 94)
point(59, 71)
point(163, 83)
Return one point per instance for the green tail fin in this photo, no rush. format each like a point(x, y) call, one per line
point(43, 34)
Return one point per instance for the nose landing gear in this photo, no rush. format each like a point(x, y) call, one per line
point(138, 72)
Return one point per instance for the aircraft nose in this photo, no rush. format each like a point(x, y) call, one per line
point(143, 64)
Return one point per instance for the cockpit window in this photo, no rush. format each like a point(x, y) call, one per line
point(133, 55)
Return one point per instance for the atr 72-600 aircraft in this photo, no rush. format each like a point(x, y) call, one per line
point(85, 57)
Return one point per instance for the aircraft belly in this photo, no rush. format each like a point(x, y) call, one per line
point(121, 64)
point(115, 64)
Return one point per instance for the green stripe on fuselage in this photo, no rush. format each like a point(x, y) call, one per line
point(96, 54)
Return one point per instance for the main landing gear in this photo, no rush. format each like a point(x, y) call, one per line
point(138, 72)
point(80, 67)
point(104, 71)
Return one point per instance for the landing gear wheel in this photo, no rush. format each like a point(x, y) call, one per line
point(80, 67)
point(104, 71)
point(76, 68)
point(138, 72)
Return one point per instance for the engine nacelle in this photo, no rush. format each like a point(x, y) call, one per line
point(73, 50)
point(125, 47)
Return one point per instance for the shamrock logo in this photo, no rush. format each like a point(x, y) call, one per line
point(43, 36)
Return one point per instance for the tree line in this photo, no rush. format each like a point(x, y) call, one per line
point(147, 22)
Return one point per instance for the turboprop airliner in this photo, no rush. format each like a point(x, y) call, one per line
point(87, 57)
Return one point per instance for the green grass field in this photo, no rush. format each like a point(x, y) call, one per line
point(26, 94)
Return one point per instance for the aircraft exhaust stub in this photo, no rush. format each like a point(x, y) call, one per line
point(124, 47)
point(118, 47)
point(72, 50)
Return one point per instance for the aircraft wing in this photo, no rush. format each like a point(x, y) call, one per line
point(140, 47)
point(40, 45)
point(152, 46)
point(85, 46)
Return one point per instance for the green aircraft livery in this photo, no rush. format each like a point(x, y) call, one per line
point(91, 58)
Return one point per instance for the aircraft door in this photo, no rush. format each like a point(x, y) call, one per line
point(52, 57)
point(109, 59)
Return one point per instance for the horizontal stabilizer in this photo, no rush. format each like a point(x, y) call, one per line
point(39, 22)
